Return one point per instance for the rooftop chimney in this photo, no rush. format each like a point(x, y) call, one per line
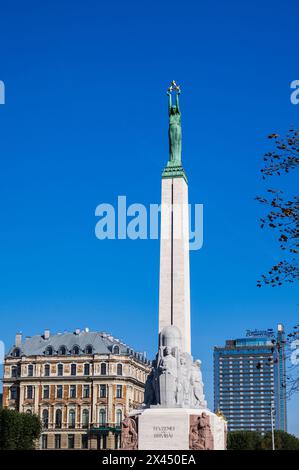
point(18, 340)
point(46, 334)
point(77, 331)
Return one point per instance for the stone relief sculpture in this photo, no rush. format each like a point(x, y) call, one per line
point(175, 380)
point(200, 434)
point(151, 392)
point(197, 398)
point(129, 434)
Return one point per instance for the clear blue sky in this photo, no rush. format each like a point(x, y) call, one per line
point(85, 120)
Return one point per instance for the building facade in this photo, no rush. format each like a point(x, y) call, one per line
point(81, 385)
point(250, 381)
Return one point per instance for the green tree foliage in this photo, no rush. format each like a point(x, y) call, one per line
point(253, 440)
point(283, 441)
point(18, 430)
point(244, 440)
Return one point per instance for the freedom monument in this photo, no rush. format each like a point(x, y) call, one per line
point(174, 415)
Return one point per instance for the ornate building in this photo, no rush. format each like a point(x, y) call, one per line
point(81, 384)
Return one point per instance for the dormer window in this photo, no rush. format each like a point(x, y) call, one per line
point(115, 349)
point(49, 351)
point(76, 350)
point(16, 352)
point(62, 351)
point(88, 349)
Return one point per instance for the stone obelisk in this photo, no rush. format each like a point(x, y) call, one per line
point(174, 291)
point(174, 414)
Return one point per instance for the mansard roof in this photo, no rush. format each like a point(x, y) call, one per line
point(84, 342)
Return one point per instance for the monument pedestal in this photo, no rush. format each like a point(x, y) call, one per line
point(160, 428)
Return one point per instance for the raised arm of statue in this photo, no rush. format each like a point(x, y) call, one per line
point(178, 101)
point(169, 101)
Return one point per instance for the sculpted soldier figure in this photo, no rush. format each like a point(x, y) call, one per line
point(151, 392)
point(168, 378)
point(197, 395)
point(184, 379)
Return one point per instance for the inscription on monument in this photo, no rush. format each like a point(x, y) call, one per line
point(163, 432)
point(154, 434)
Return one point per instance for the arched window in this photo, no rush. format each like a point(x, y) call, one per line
point(102, 417)
point(47, 370)
point(72, 418)
point(58, 419)
point(30, 370)
point(88, 349)
point(103, 368)
point(119, 369)
point(62, 351)
point(85, 418)
point(16, 352)
point(119, 417)
point(115, 349)
point(45, 418)
point(73, 369)
point(86, 369)
point(60, 370)
point(75, 350)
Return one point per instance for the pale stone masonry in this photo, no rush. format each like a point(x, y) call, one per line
point(81, 385)
point(174, 291)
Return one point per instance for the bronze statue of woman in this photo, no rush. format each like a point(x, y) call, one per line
point(175, 128)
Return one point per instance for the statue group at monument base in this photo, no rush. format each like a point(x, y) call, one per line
point(158, 428)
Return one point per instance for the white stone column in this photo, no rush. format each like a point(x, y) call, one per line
point(174, 295)
point(36, 398)
point(110, 410)
point(94, 419)
point(22, 395)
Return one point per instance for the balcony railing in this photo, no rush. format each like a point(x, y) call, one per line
point(115, 427)
point(105, 427)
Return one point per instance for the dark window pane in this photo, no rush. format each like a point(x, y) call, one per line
point(71, 441)
point(57, 441)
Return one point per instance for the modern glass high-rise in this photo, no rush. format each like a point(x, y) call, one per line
point(250, 381)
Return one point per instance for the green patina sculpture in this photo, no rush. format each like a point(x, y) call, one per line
point(175, 128)
point(174, 167)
